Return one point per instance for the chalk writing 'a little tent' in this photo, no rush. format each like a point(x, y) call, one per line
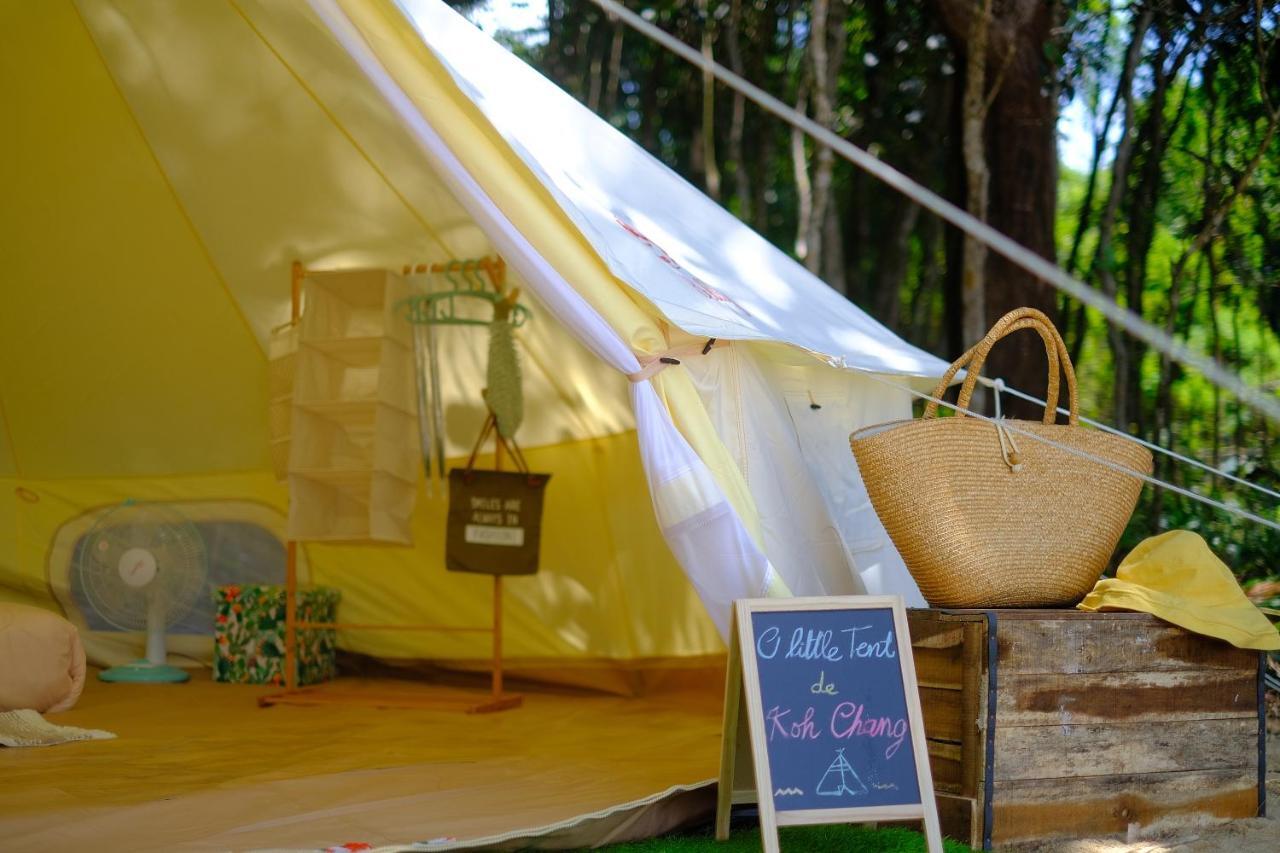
point(840, 779)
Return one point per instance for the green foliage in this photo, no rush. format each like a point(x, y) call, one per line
point(1214, 125)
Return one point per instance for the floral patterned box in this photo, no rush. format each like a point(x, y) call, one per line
point(248, 635)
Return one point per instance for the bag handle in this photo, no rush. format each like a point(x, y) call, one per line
point(513, 449)
point(973, 360)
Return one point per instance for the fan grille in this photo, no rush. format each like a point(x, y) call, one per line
point(158, 531)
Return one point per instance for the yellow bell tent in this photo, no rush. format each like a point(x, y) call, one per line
point(165, 164)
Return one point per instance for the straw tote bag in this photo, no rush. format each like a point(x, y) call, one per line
point(986, 516)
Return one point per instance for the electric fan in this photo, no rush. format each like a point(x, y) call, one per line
point(142, 566)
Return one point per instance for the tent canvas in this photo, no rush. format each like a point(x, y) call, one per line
point(163, 171)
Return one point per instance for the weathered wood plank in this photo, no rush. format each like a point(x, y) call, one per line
point(1098, 806)
point(973, 708)
point(1042, 699)
point(1057, 752)
point(948, 637)
point(939, 668)
point(947, 768)
point(960, 819)
point(942, 714)
point(1073, 645)
point(1036, 614)
point(938, 650)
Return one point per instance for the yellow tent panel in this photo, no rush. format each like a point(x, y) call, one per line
point(165, 165)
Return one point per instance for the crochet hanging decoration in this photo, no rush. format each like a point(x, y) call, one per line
point(505, 394)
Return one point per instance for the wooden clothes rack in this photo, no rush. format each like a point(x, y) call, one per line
point(337, 694)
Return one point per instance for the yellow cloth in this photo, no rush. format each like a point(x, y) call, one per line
point(1176, 577)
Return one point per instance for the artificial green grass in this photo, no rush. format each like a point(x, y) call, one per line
point(835, 838)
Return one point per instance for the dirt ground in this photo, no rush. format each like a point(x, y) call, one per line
point(1260, 835)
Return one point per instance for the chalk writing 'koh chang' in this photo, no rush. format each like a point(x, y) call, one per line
point(780, 725)
point(811, 644)
point(847, 722)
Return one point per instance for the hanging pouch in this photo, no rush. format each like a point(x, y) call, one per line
point(495, 517)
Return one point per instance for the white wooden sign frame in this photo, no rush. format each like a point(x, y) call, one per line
point(742, 684)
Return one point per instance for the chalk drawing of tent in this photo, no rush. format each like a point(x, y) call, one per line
point(840, 779)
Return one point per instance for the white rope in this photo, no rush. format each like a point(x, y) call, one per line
point(1008, 447)
point(999, 385)
point(1115, 466)
point(1020, 255)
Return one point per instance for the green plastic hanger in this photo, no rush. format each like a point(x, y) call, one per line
point(440, 307)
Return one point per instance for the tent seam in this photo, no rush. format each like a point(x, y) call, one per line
point(341, 128)
point(173, 191)
point(567, 823)
point(229, 472)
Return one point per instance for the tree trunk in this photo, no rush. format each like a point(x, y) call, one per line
point(1021, 144)
point(804, 189)
point(826, 51)
point(919, 312)
point(649, 103)
point(1104, 254)
point(710, 168)
point(1238, 353)
point(595, 83)
point(767, 130)
point(738, 115)
point(895, 255)
point(1101, 132)
point(833, 272)
point(977, 178)
point(1075, 320)
point(764, 160)
point(1215, 332)
point(615, 71)
point(1153, 139)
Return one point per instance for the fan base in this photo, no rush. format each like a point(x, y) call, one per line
point(145, 672)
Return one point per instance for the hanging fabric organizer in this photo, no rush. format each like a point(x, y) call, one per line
point(351, 453)
point(360, 350)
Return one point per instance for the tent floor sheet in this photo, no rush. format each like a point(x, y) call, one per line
point(201, 767)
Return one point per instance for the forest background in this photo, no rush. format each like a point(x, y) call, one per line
point(1175, 215)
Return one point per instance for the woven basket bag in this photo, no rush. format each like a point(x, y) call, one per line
point(988, 517)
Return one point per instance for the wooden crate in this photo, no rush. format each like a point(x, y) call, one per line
point(1063, 724)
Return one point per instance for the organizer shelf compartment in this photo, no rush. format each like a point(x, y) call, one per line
point(354, 304)
point(356, 435)
point(369, 370)
point(351, 505)
point(282, 353)
point(353, 459)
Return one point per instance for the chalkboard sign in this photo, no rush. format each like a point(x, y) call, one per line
point(832, 714)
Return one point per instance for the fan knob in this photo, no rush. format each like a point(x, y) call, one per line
point(137, 567)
